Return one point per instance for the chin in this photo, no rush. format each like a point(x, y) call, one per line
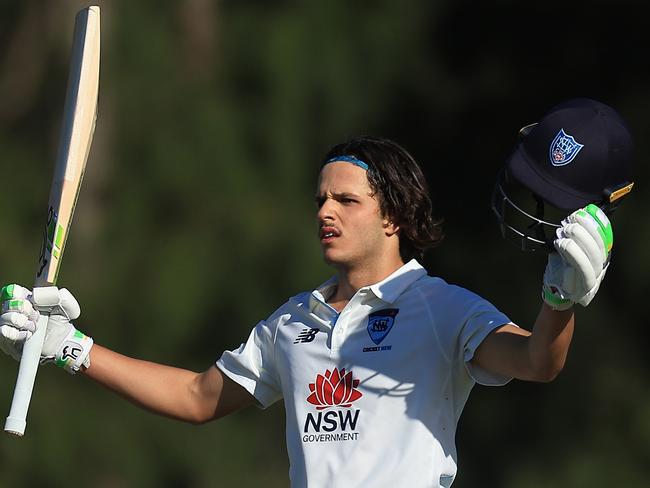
point(333, 260)
point(338, 262)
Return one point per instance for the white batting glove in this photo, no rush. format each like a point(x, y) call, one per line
point(573, 274)
point(64, 345)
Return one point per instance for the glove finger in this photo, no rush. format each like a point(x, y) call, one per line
point(594, 220)
point(69, 304)
point(13, 291)
point(14, 335)
point(604, 225)
point(19, 305)
point(17, 321)
point(578, 260)
point(584, 301)
point(595, 231)
point(592, 248)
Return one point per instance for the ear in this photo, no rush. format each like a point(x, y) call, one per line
point(390, 228)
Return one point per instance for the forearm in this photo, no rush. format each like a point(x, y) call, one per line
point(164, 390)
point(532, 356)
point(548, 345)
point(173, 392)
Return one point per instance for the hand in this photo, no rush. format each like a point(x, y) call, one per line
point(64, 345)
point(573, 274)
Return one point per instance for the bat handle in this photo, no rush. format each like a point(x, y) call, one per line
point(17, 419)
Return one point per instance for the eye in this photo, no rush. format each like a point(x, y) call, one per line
point(347, 201)
point(320, 201)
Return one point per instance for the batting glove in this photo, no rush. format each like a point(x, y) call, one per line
point(64, 345)
point(583, 244)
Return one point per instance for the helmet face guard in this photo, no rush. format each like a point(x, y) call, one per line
point(526, 228)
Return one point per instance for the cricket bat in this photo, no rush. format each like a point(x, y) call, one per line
point(79, 115)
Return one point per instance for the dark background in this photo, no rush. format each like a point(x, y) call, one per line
point(196, 218)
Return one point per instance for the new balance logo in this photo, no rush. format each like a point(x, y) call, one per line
point(307, 335)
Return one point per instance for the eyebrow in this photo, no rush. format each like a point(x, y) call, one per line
point(343, 194)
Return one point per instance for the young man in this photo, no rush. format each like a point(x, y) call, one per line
point(375, 365)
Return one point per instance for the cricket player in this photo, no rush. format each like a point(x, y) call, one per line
point(375, 365)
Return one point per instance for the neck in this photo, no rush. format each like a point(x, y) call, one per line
point(350, 280)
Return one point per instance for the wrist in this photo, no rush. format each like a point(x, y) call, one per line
point(553, 299)
point(74, 352)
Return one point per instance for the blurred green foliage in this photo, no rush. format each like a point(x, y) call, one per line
point(196, 218)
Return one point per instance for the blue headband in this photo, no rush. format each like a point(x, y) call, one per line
point(349, 159)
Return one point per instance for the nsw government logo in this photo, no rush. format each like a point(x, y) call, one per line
point(335, 390)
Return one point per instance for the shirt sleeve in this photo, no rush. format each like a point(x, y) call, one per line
point(480, 322)
point(252, 366)
point(462, 321)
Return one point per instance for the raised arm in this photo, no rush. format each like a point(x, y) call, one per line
point(573, 275)
point(173, 392)
point(533, 356)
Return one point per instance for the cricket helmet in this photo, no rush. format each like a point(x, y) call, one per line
point(580, 152)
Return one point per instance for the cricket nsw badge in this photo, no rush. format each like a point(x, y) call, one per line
point(563, 149)
point(380, 323)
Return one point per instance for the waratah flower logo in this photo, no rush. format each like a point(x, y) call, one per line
point(334, 389)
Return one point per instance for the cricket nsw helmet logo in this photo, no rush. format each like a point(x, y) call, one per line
point(334, 389)
point(563, 149)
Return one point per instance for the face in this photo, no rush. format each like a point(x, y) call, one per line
point(352, 230)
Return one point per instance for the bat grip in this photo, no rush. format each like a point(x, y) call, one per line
point(17, 419)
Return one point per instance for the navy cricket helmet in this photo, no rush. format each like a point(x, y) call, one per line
point(579, 153)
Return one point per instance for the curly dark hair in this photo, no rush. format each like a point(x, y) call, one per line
point(403, 194)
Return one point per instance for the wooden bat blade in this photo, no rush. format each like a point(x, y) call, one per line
point(79, 114)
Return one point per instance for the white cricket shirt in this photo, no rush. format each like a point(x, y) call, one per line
point(373, 394)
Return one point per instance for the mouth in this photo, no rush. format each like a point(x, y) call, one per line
point(328, 233)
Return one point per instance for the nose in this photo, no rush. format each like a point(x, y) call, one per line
point(326, 211)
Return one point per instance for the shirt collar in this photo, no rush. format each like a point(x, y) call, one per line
point(394, 285)
point(387, 290)
point(324, 291)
